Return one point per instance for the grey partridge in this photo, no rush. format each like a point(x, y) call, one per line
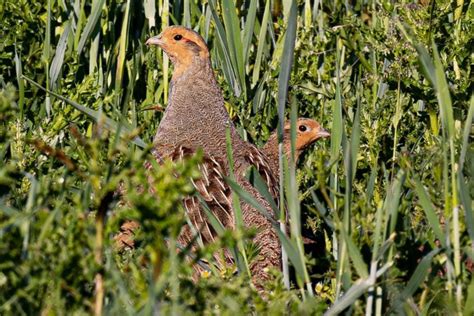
point(307, 132)
point(196, 118)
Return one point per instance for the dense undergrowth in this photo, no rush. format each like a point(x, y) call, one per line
point(388, 200)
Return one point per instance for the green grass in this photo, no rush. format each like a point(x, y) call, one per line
point(388, 199)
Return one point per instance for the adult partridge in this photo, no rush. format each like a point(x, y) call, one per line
point(196, 118)
point(307, 132)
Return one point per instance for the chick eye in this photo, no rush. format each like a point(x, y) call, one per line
point(303, 128)
point(177, 37)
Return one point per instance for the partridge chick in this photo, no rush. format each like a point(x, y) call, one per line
point(196, 118)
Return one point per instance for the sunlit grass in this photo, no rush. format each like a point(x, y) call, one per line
point(388, 198)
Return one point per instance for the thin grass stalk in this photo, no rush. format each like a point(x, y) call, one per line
point(239, 222)
point(339, 249)
point(463, 191)
point(370, 296)
point(396, 120)
point(283, 214)
point(166, 62)
point(446, 112)
point(293, 201)
point(377, 241)
point(249, 29)
point(186, 14)
point(21, 83)
point(46, 56)
point(348, 190)
point(123, 41)
point(283, 81)
point(286, 65)
point(261, 44)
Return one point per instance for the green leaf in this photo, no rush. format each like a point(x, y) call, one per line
point(430, 212)
point(92, 21)
point(261, 44)
point(443, 95)
point(58, 59)
point(286, 64)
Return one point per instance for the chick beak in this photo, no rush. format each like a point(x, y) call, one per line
point(155, 40)
point(323, 133)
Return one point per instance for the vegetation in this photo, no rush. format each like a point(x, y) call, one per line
point(388, 199)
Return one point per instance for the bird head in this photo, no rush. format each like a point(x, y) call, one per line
point(182, 45)
point(307, 132)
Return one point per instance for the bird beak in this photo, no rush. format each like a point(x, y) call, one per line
point(323, 133)
point(155, 40)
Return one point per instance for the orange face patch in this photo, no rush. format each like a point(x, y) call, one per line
point(183, 46)
point(307, 132)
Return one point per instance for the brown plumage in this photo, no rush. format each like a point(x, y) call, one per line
point(307, 132)
point(196, 118)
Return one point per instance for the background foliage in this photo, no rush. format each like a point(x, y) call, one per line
point(388, 199)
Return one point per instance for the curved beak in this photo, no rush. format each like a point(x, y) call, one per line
point(323, 133)
point(155, 40)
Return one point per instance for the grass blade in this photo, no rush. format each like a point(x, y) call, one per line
point(123, 41)
point(430, 213)
point(149, 8)
point(21, 84)
point(232, 30)
point(92, 21)
point(223, 48)
point(249, 30)
point(354, 254)
point(286, 65)
point(58, 59)
point(261, 44)
point(442, 93)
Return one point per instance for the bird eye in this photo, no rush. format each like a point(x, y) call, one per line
point(177, 37)
point(303, 128)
